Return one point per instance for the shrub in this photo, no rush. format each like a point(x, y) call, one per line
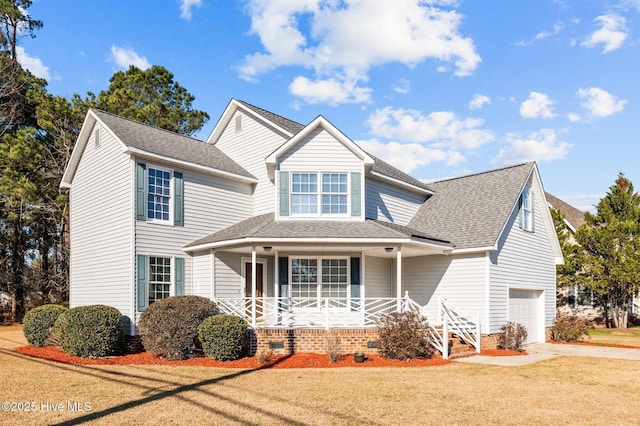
point(403, 335)
point(169, 327)
point(90, 331)
point(38, 323)
point(570, 329)
point(512, 336)
point(334, 348)
point(264, 355)
point(224, 337)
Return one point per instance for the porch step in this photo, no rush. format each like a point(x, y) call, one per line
point(458, 348)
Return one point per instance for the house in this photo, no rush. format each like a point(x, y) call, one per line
point(299, 230)
point(575, 300)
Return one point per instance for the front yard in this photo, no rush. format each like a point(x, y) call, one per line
point(560, 391)
point(629, 336)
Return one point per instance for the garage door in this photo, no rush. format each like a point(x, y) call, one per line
point(524, 309)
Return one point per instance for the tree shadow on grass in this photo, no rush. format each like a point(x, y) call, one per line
point(179, 391)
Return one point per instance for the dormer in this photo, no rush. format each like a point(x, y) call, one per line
point(319, 175)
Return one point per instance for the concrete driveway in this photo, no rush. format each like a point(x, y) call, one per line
point(541, 351)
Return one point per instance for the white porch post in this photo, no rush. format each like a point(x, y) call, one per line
point(253, 286)
point(399, 278)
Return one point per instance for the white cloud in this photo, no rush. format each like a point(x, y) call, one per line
point(186, 6)
point(538, 105)
point(542, 146)
point(479, 101)
point(33, 64)
point(337, 39)
point(556, 30)
point(629, 4)
point(410, 156)
point(440, 129)
point(331, 91)
point(612, 33)
point(600, 103)
point(125, 57)
point(574, 117)
point(402, 86)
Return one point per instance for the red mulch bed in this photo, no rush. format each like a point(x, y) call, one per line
point(501, 352)
point(301, 360)
point(606, 345)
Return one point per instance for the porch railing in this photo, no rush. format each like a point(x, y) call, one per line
point(461, 323)
point(290, 312)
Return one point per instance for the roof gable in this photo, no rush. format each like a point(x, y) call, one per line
point(319, 123)
point(282, 124)
point(573, 216)
point(472, 211)
point(153, 143)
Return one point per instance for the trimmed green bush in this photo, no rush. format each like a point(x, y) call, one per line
point(224, 337)
point(403, 335)
point(570, 329)
point(38, 323)
point(90, 331)
point(169, 327)
point(512, 336)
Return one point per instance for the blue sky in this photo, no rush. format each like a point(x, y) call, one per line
point(439, 88)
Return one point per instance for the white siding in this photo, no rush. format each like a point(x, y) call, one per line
point(228, 276)
point(390, 203)
point(320, 151)
point(378, 277)
point(460, 279)
point(249, 147)
point(524, 260)
point(202, 281)
point(210, 204)
point(100, 227)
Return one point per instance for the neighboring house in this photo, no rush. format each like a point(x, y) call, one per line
point(298, 229)
point(578, 300)
point(574, 300)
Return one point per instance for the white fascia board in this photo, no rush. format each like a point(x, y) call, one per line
point(473, 250)
point(83, 137)
point(320, 121)
point(233, 106)
point(138, 153)
point(397, 182)
point(337, 241)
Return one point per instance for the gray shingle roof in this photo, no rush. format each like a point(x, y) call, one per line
point(283, 122)
point(388, 170)
point(471, 211)
point(169, 144)
point(574, 216)
point(264, 226)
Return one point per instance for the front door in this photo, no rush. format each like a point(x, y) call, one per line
point(259, 287)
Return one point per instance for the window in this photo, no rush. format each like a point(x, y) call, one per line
point(158, 194)
point(580, 296)
point(314, 278)
point(334, 193)
point(328, 198)
point(304, 193)
point(159, 278)
point(526, 219)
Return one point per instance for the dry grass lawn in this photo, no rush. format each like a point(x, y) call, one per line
point(627, 336)
point(560, 391)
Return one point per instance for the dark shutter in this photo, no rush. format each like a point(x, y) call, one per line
point(141, 185)
point(284, 193)
point(179, 276)
point(178, 199)
point(142, 293)
point(356, 194)
point(355, 277)
point(283, 276)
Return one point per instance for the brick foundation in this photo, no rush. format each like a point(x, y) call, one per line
point(133, 344)
point(288, 341)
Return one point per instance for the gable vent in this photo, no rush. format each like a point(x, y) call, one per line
point(238, 123)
